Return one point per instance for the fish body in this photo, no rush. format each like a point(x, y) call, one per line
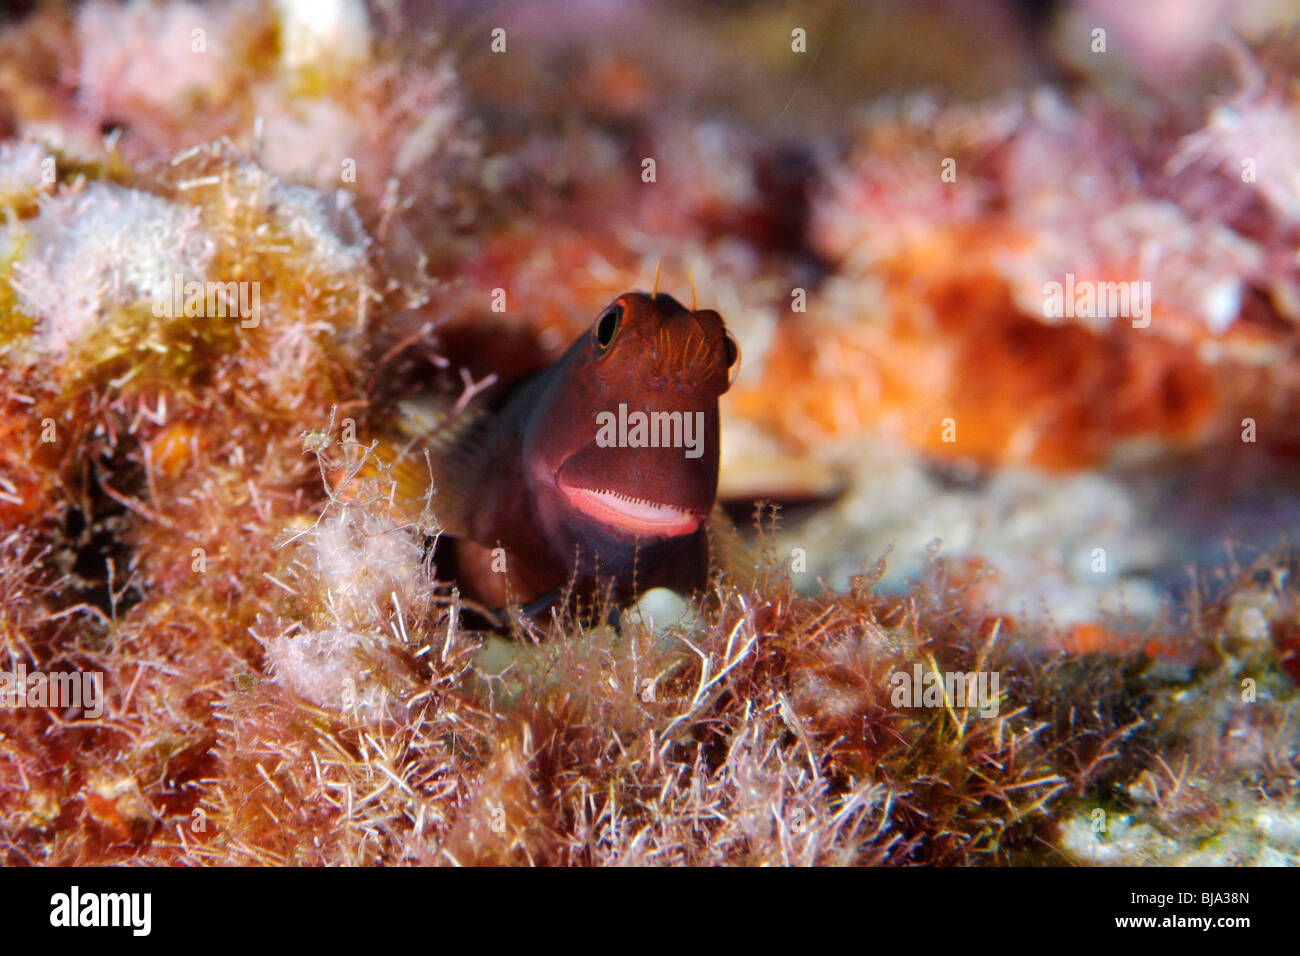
point(598, 474)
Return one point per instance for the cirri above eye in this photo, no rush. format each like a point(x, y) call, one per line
point(607, 326)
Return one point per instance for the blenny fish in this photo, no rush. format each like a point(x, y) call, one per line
point(595, 477)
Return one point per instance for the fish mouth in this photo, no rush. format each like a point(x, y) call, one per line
point(630, 514)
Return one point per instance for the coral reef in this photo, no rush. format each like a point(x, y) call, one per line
point(238, 238)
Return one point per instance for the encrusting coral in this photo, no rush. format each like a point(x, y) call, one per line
point(982, 343)
point(204, 318)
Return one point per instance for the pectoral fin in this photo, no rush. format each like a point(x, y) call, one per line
point(427, 468)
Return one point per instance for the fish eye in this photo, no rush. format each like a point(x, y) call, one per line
point(731, 348)
point(607, 326)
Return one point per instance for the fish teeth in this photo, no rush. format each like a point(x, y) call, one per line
point(644, 503)
point(611, 493)
point(632, 514)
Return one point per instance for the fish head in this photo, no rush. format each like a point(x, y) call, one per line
point(627, 445)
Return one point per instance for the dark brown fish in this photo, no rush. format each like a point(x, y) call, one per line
point(597, 475)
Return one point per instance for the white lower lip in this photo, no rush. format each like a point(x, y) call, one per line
point(633, 515)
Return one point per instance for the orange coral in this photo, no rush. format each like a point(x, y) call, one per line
point(946, 340)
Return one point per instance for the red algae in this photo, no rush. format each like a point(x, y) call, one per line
point(292, 674)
